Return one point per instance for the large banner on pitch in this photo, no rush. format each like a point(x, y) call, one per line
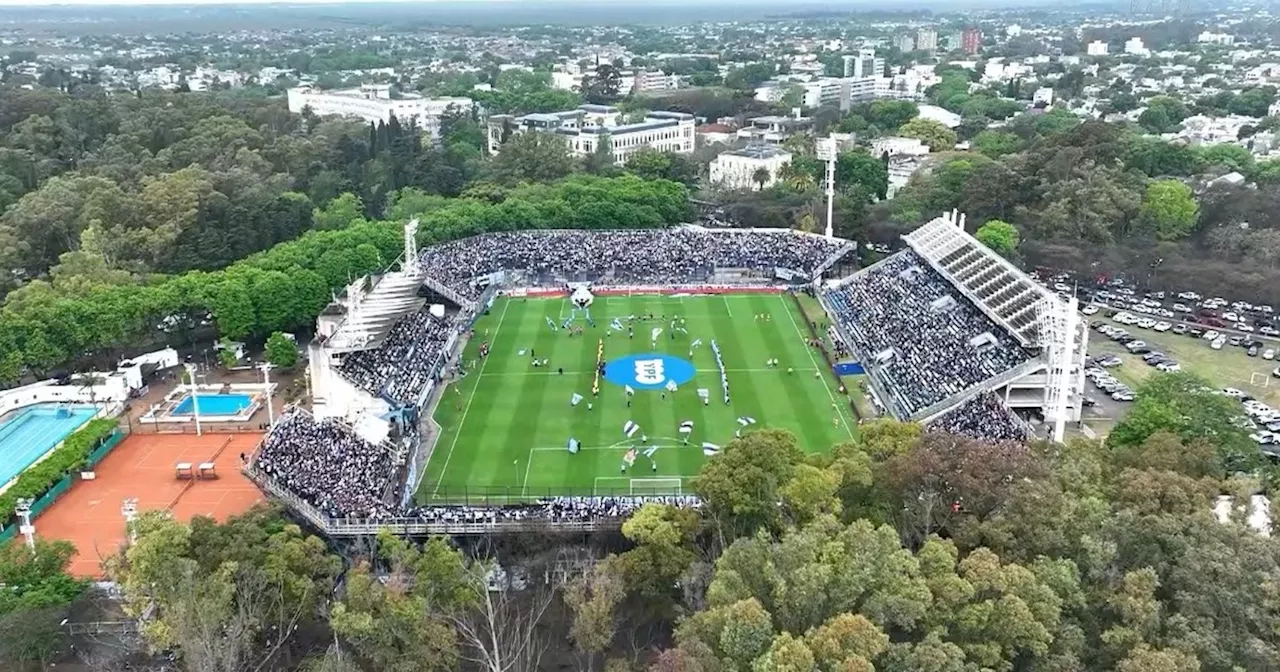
point(848, 369)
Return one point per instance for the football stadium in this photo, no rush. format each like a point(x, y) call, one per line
point(569, 376)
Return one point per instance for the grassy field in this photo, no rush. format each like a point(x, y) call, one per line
point(506, 425)
point(1228, 367)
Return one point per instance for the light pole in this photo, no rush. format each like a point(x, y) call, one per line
point(23, 508)
point(195, 396)
point(828, 151)
point(266, 382)
point(129, 509)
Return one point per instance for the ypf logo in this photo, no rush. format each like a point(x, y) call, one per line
point(649, 371)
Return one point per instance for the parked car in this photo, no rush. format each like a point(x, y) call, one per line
point(1218, 343)
point(1089, 309)
point(1269, 354)
point(1180, 329)
point(1252, 351)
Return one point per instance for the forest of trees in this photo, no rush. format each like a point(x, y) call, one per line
point(901, 551)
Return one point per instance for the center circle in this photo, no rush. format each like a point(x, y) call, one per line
point(648, 371)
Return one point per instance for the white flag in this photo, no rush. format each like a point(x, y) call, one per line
point(630, 429)
point(746, 420)
point(575, 399)
point(628, 390)
point(648, 452)
point(671, 386)
point(696, 342)
point(656, 332)
point(616, 325)
point(710, 449)
point(686, 426)
point(704, 392)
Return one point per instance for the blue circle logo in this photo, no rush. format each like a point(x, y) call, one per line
point(648, 371)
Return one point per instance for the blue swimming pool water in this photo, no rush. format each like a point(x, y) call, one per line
point(214, 404)
point(28, 435)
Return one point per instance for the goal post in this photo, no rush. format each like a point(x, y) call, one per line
point(655, 487)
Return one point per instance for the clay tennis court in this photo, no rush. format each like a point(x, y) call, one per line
point(142, 466)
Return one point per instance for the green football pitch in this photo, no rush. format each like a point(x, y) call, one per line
point(506, 425)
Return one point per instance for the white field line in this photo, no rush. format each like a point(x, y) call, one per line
point(500, 374)
point(462, 422)
point(844, 417)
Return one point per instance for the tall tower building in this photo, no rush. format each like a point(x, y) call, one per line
point(927, 39)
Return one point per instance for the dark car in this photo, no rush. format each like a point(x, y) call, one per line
point(1195, 332)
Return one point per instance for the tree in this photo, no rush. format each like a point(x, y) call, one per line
point(532, 157)
point(282, 352)
point(932, 133)
point(761, 176)
point(1185, 405)
point(603, 86)
point(339, 213)
point(741, 486)
point(1002, 237)
point(995, 143)
point(1168, 210)
point(890, 113)
point(862, 175)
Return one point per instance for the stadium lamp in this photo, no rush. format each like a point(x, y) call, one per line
point(22, 507)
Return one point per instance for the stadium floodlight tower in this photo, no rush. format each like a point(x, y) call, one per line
point(22, 507)
point(266, 385)
point(195, 395)
point(410, 265)
point(828, 150)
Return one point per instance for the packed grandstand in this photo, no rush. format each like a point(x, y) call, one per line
point(934, 349)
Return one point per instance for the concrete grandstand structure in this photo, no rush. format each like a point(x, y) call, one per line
point(948, 319)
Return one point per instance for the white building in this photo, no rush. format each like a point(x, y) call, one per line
point(898, 146)
point(1215, 38)
point(373, 103)
point(927, 39)
point(584, 128)
point(1044, 95)
point(1013, 30)
point(904, 42)
point(941, 115)
point(654, 80)
point(1135, 46)
point(1097, 48)
point(863, 64)
point(736, 169)
point(773, 129)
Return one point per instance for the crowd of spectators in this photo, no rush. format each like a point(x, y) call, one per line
point(918, 334)
point(983, 416)
point(661, 256)
point(326, 464)
point(554, 509)
point(401, 365)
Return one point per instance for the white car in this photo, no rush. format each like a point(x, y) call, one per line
point(1189, 296)
point(1134, 345)
point(1210, 335)
point(1089, 309)
point(1162, 326)
point(1218, 342)
point(1263, 438)
point(1232, 392)
point(1269, 353)
point(1168, 367)
point(1146, 323)
point(1181, 308)
point(1230, 316)
point(1244, 326)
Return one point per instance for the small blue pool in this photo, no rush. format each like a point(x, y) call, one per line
point(214, 404)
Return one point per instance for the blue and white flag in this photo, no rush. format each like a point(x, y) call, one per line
point(575, 399)
point(704, 393)
point(616, 325)
point(551, 323)
point(574, 445)
point(710, 449)
point(648, 452)
point(671, 386)
point(746, 420)
point(630, 391)
point(630, 428)
point(686, 427)
point(568, 321)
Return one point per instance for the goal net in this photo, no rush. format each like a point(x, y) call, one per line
point(655, 487)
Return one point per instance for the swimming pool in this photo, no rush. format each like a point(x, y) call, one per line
point(214, 404)
point(28, 435)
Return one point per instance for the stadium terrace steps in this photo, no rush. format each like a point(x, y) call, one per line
point(994, 383)
point(831, 260)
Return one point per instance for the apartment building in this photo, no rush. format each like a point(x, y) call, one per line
point(1097, 48)
point(927, 39)
point(971, 40)
point(585, 128)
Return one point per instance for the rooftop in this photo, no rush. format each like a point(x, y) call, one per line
point(758, 152)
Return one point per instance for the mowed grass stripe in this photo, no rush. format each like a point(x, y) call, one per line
point(744, 397)
point(798, 388)
point(525, 425)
